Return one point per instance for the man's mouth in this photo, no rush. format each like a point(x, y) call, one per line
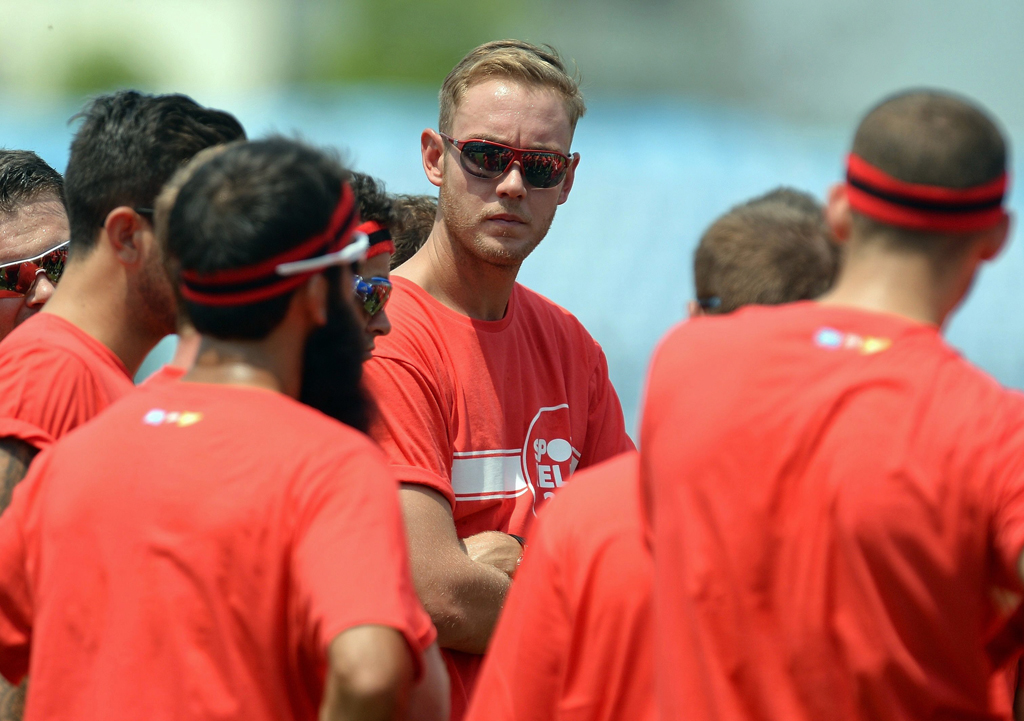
point(507, 218)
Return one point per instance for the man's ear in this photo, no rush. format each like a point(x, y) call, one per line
point(123, 228)
point(570, 177)
point(994, 240)
point(432, 150)
point(694, 309)
point(837, 212)
point(314, 297)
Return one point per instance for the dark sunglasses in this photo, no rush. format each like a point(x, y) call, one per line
point(18, 277)
point(484, 159)
point(373, 294)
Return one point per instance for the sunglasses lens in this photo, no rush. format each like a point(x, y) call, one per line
point(53, 263)
point(373, 294)
point(544, 170)
point(485, 160)
point(17, 278)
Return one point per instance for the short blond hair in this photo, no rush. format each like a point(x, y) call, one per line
point(515, 60)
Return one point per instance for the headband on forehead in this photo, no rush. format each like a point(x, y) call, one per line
point(878, 195)
point(379, 236)
point(286, 271)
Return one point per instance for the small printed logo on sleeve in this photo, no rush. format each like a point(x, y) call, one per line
point(832, 339)
point(180, 419)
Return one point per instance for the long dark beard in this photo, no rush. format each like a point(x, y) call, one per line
point(333, 363)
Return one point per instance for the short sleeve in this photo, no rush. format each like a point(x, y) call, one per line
point(606, 428)
point(350, 559)
point(411, 423)
point(525, 666)
point(44, 395)
point(1007, 501)
point(15, 594)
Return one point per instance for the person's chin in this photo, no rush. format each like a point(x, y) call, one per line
point(506, 249)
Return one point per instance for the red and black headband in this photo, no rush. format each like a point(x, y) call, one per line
point(285, 272)
point(380, 238)
point(876, 194)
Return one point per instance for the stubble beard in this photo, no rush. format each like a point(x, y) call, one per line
point(156, 313)
point(465, 234)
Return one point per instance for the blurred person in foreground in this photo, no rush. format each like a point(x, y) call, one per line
point(412, 219)
point(576, 636)
point(114, 302)
point(372, 284)
point(833, 505)
point(489, 396)
point(214, 548)
point(33, 235)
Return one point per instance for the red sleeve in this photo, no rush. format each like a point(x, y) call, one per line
point(45, 395)
point(411, 423)
point(1007, 501)
point(606, 428)
point(350, 561)
point(15, 594)
point(525, 666)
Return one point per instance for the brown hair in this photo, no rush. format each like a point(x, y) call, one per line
point(774, 249)
point(932, 138)
point(412, 218)
point(516, 60)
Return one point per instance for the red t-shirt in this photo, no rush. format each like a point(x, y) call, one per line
point(192, 553)
point(494, 415)
point(835, 495)
point(55, 377)
point(575, 639)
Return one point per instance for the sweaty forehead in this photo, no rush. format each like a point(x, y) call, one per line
point(512, 113)
point(34, 228)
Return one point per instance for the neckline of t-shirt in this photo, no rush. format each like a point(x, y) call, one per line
point(892, 322)
point(94, 344)
point(487, 326)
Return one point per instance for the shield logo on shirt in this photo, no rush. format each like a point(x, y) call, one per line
point(549, 457)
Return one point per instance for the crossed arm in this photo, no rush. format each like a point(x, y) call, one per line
point(462, 584)
point(15, 457)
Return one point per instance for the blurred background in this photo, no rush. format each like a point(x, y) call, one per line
point(694, 106)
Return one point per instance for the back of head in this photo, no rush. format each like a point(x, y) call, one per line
point(925, 138)
point(128, 146)
point(773, 249)
point(374, 203)
point(24, 178)
point(515, 60)
point(412, 219)
point(248, 204)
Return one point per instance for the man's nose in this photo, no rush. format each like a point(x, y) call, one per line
point(379, 324)
point(512, 183)
point(39, 292)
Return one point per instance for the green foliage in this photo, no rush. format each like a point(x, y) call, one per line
point(409, 41)
point(99, 70)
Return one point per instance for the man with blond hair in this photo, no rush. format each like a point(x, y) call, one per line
point(489, 396)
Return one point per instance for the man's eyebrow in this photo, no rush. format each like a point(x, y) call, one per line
point(553, 147)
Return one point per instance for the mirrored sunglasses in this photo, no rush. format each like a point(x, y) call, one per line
point(17, 278)
point(372, 294)
point(484, 159)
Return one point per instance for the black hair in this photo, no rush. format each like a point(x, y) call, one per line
point(412, 219)
point(128, 146)
point(373, 202)
point(250, 203)
point(25, 177)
